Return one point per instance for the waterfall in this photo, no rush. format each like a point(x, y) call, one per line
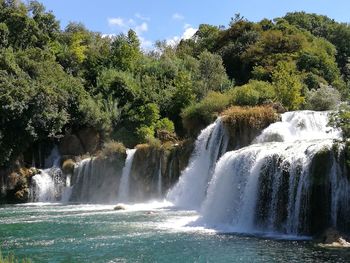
point(48, 185)
point(340, 192)
point(124, 186)
point(272, 185)
point(191, 188)
point(53, 160)
point(159, 181)
point(67, 191)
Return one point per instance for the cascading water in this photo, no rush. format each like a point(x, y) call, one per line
point(159, 182)
point(124, 186)
point(44, 187)
point(53, 160)
point(191, 188)
point(270, 185)
point(48, 185)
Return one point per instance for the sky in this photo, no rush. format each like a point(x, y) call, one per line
point(172, 20)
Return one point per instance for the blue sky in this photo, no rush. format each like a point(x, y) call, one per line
point(174, 19)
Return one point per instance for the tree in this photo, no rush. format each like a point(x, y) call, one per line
point(322, 99)
point(126, 51)
point(287, 85)
point(212, 74)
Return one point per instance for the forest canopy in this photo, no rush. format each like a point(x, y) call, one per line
point(56, 81)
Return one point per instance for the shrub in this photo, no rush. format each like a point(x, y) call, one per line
point(341, 120)
point(324, 98)
point(112, 147)
point(68, 166)
point(154, 143)
point(254, 93)
point(202, 113)
point(145, 133)
point(257, 117)
point(165, 124)
point(245, 96)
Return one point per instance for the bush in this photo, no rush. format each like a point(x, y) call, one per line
point(254, 93)
point(245, 96)
point(68, 166)
point(257, 117)
point(200, 114)
point(324, 98)
point(341, 120)
point(154, 143)
point(144, 133)
point(165, 124)
point(112, 147)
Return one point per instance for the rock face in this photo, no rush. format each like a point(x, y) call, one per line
point(245, 124)
point(15, 184)
point(84, 141)
point(151, 163)
point(96, 179)
point(153, 171)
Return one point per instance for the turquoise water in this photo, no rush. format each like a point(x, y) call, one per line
point(142, 233)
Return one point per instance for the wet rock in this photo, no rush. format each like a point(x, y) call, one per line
point(119, 207)
point(333, 238)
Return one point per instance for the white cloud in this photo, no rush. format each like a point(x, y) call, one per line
point(187, 34)
point(141, 17)
point(187, 26)
point(139, 29)
point(178, 16)
point(131, 21)
point(145, 44)
point(116, 21)
point(173, 41)
point(123, 25)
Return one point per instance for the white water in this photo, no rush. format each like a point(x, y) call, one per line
point(44, 187)
point(265, 186)
point(284, 151)
point(299, 125)
point(48, 185)
point(159, 183)
point(67, 191)
point(191, 188)
point(124, 186)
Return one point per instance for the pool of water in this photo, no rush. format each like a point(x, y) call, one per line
point(154, 232)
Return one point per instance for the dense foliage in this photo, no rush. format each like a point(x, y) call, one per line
point(54, 82)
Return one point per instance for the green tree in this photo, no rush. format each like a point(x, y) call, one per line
point(288, 85)
point(212, 74)
point(126, 51)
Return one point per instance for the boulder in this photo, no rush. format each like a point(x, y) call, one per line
point(119, 207)
point(333, 238)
